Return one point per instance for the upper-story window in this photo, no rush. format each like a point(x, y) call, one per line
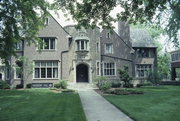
point(145, 53)
point(97, 47)
point(19, 46)
point(48, 44)
point(46, 22)
point(82, 45)
point(108, 35)
point(109, 48)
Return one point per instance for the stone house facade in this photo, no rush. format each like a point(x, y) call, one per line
point(79, 55)
point(175, 64)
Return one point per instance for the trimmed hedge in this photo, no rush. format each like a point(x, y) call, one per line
point(28, 85)
point(115, 85)
point(174, 83)
point(19, 86)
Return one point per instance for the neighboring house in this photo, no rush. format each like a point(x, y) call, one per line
point(175, 63)
point(145, 56)
point(81, 55)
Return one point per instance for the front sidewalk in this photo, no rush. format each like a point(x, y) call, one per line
point(96, 108)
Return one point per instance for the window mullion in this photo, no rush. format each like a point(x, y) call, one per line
point(49, 43)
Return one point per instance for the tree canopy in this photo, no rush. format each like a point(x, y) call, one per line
point(156, 12)
point(22, 19)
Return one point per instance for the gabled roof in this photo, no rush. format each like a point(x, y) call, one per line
point(59, 24)
point(117, 36)
point(141, 38)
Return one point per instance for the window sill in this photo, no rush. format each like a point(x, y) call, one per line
point(45, 78)
point(82, 50)
point(47, 50)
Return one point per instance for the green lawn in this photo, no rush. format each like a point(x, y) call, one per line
point(156, 104)
point(40, 105)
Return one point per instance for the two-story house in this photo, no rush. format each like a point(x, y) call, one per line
point(81, 55)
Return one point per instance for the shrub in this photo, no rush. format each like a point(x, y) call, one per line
point(116, 85)
point(124, 92)
point(68, 91)
point(105, 86)
point(144, 84)
point(124, 75)
point(28, 85)
point(4, 85)
point(19, 86)
point(63, 84)
point(99, 80)
point(57, 85)
point(128, 85)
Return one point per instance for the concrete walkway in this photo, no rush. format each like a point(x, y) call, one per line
point(98, 109)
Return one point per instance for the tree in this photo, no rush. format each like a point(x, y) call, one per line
point(124, 76)
point(154, 77)
point(26, 69)
point(20, 20)
point(163, 62)
point(158, 12)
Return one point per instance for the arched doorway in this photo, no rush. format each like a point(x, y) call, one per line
point(82, 73)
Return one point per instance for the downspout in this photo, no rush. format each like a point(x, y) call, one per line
point(62, 61)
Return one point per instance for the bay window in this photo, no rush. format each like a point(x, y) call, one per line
point(82, 45)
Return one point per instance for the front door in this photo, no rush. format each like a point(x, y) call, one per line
point(82, 73)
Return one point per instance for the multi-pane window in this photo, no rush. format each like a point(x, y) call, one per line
point(108, 48)
point(48, 44)
point(109, 69)
point(175, 57)
point(82, 45)
point(46, 69)
point(97, 68)
point(143, 70)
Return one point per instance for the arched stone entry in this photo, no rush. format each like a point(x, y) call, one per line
point(82, 73)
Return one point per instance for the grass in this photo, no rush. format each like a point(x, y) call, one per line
point(156, 104)
point(40, 105)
